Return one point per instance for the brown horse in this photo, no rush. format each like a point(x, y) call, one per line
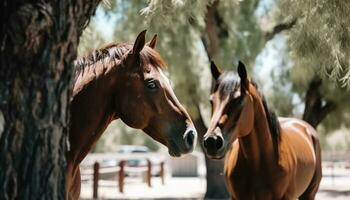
point(266, 157)
point(126, 82)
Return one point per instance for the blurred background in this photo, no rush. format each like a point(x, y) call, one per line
point(298, 52)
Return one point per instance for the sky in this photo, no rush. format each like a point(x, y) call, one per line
point(104, 23)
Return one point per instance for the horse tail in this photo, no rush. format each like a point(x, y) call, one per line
point(312, 189)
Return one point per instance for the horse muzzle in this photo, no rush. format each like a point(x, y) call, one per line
point(184, 145)
point(214, 145)
point(190, 138)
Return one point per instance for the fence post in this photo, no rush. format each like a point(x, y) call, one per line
point(161, 173)
point(121, 176)
point(95, 180)
point(149, 173)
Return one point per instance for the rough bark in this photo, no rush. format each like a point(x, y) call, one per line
point(316, 107)
point(38, 43)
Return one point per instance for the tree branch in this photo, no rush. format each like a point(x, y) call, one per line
point(279, 28)
point(205, 44)
point(315, 108)
point(215, 29)
point(329, 107)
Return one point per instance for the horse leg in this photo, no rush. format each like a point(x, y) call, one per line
point(72, 181)
point(311, 190)
point(69, 178)
point(74, 192)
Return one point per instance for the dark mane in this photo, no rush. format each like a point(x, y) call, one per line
point(272, 119)
point(117, 51)
point(230, 81)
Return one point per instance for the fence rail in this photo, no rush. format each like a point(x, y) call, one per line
point(96, 171)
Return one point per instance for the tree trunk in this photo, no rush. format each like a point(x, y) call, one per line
point(215, 29)
point(316, 107)
point(38, 43)
point(216, 187)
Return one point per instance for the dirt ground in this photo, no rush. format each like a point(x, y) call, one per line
point(180, 188)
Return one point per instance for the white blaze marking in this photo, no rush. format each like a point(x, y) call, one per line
point(170, 89)
point(164, 76)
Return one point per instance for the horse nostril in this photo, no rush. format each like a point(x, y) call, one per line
point(209, 143)
point(189, 138)
point(213, 143)
point(219, 142)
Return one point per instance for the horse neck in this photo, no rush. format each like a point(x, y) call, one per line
point(91, 108)
point(257, 146)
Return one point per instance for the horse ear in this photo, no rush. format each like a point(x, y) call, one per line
point(153, 42)
point(246, 120)
point(215, 71)
point(242, 72)
point(139, 43)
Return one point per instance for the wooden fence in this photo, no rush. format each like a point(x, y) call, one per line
point(121, 171)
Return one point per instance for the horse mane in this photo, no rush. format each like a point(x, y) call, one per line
point(272, 119)
point(117, 51)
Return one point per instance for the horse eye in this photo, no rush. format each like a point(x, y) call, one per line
point(151, 84)
point(239, 100)
point(220, 125)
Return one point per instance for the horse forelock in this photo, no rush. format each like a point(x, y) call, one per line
point(150, 57)
point(228, 82)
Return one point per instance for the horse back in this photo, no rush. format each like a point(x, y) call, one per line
point(297, 154)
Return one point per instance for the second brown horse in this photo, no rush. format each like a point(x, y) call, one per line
point(266, 157)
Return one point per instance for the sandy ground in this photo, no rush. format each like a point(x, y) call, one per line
point(194, 188)
point(335, 185)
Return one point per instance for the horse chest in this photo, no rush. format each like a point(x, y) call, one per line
point(244, 182)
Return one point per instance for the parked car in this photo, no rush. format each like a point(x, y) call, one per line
point(135, 161)
point(134, 149)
